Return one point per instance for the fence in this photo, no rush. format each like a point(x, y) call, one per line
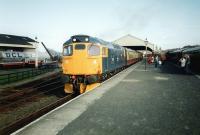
point(17, 76)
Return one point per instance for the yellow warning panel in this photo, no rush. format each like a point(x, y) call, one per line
point(68, 88)
point(92, 86)
point(82, 88)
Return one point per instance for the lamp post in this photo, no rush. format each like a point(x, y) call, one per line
point(153, 48)
point(36, 53)
point(146, 43)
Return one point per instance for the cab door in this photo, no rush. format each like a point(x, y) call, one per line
point(105, 59)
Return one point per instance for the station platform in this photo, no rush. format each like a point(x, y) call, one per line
point(156, 101)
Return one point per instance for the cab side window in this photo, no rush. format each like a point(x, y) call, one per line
point(94, 50)
point(68, 50)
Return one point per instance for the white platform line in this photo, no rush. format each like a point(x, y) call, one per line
point(198, 76)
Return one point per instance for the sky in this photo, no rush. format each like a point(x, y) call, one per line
point(165, 23)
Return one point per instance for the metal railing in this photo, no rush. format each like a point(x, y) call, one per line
point(17, 76)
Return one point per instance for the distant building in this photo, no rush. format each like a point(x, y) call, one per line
point(16, 50)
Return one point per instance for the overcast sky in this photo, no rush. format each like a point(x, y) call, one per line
point(166, 23)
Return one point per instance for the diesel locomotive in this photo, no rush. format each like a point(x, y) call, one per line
point(88, 60)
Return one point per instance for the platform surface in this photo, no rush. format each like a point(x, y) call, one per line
point(158, 101)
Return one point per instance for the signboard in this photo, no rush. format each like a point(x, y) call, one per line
point(12, 54)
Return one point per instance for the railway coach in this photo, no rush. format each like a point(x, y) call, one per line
point(192, 51)
point(89, 60)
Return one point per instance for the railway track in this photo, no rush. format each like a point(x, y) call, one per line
point(25, 97)
point(33, 116)
point(15, 98)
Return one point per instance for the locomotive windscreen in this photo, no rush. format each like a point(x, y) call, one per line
point(80, 39)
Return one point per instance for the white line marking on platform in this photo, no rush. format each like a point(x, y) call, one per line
point(198, 76)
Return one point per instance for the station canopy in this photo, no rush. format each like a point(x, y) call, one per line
point(134, 43)
point(17, 41)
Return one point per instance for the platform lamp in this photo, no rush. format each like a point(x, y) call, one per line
point(153, 49)
point(146, 43)
point(36, 53)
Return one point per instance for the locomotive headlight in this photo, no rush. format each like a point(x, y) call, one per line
point(86, 39)
point(74, 39)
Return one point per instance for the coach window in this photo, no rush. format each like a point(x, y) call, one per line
point(94, 50)
point(68, 50)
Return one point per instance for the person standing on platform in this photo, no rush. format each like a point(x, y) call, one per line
point(152, 59)
point(156, 61)
point(183, 63)
point(187, 66)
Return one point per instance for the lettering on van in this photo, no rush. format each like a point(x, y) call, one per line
point(13, 55)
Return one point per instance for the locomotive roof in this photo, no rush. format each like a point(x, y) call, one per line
point(12, 39)
point(95, 40)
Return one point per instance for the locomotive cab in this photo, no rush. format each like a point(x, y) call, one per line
point(89, 62)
